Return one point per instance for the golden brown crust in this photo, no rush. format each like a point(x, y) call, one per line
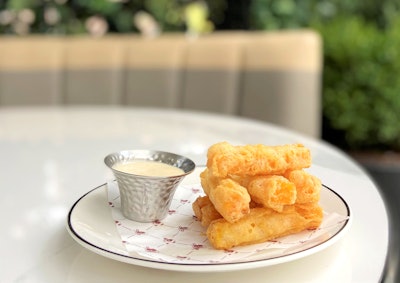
point(272, 191)
point(260, 225)
point(230, 199)
point(209, 214)
point(312, 212)
point(205, 211)
point(308, 186)
point(256, 193)
point(198, 204)
point(250, 160)
point(204, 180)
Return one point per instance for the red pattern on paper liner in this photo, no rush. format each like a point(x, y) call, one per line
point(180, 238)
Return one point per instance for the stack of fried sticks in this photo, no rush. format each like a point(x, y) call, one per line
point(256, 193)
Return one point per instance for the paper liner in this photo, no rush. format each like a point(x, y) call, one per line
point(180, 238)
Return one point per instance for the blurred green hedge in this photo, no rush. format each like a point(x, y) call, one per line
point(361, 85)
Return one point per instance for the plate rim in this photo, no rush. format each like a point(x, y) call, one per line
point(206, 267)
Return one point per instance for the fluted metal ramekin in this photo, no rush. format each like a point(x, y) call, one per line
point(147, 198)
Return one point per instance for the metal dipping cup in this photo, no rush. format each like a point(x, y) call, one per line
point(147, 198)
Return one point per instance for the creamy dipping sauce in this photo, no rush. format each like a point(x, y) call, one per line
point(148, 168)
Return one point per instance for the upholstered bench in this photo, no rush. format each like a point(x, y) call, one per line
point(271, 76)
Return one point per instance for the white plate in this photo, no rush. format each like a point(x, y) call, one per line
point(91, 224)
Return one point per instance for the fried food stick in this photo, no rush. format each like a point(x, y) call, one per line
point(272, 191)
point(208, 181)
point(311, 211)
point(308, 186)
point(260, 225)
point(198, 204)
point(224, 159)
point(230, 199)
point(205, 211)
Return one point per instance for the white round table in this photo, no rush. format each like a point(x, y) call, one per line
point(50, 157)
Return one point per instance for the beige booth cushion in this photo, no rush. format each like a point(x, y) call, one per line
point(270, 76)
point(30, 71)
point(281, 81)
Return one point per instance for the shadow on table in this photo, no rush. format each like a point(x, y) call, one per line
point(388, 184)
point(102, 269)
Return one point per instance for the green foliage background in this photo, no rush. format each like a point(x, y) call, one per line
point(117, 13)
point(361, 90)
point(361, 85)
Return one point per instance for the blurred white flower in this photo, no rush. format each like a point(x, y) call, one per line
point(7, 17)
point(51, 16)
point(146, 24)
point(26, 16)
point(96, 26)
